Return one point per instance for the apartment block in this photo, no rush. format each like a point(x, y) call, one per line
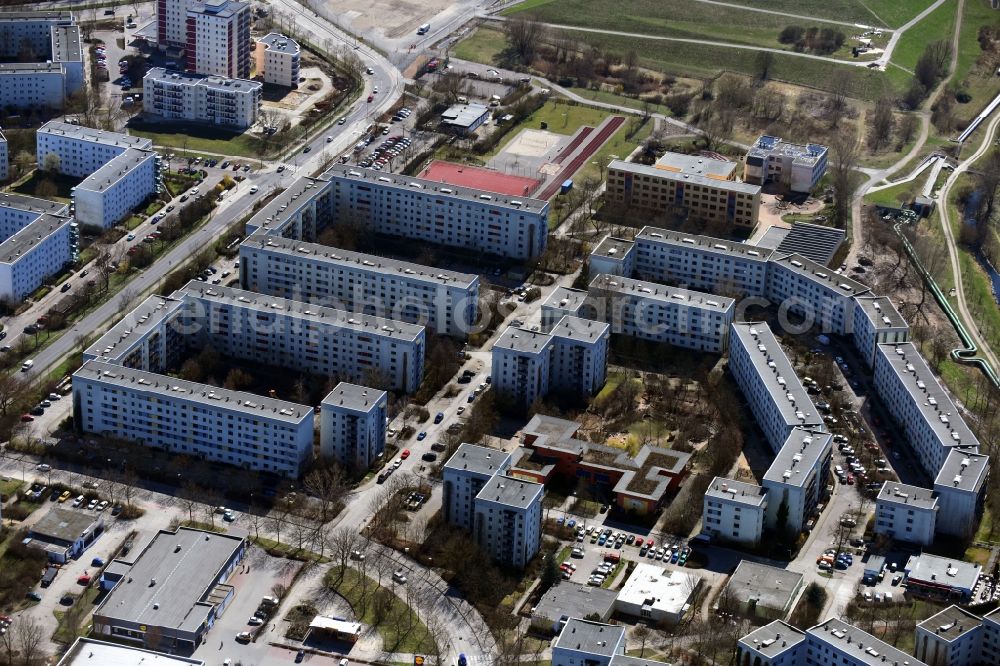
point(217, 39)
point(33, 85)
point(961, 487)
point(464, 475)
point(185, 97)
point(695, 186)
point(572, 357)
point(877, 322)
point(796, 166)
point(651, 311)
point(775, 644)
point(836, 642)
point(613, 256)
point(352, 425)
point(734, 512)
point(952, 637)
point(991, 637)
point(438, 213)
point(147, 338)
point(196, 420)
point(564, 301)
point(906, 513)
point(929, 420)
point(508, 520)
point(39, 239)
point(813, 292)
point(277, 60)
point(765, 376)
point(587, 643)
point(52, 67)
point(171, 23)
point(444, 300)
point(115, 190)
point(304, 338)
point(80, 151)
point(797, 478)
point(4, 158)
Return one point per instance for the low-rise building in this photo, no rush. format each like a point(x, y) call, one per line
point(115, 190)
point(508, 520)
point(796, 166)
point(588, 643)
point(277, 59)
point(961, 489)
point(464, 475)
point(64, 534)
point(734, 512)
point(952, 637)
point(168, 594)
point(941, 578)
point(352, 425)
point(464, 119)
point(566, 600)
point(796, 481)
point(876, 322)
point(760, 591)
point(657, 595)
point(184, 97)
point(89, 651)
point(906, 513)
point(79, 151)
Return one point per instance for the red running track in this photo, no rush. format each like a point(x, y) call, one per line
point(574, 165)
point(574, 144)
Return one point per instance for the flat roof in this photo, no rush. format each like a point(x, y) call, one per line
point(657, 587)
point(593, 638)
point(276, 213)
point(206, 394)
point(434, 188)
point(906, 495)
point(18, 245)
point(66, 43)
point(354, 397)
point(805, 153)
point(802, 451)
point(567, 599)
point(332, 623)
point(964, 470)
point(943, 571)
point(477, 459)
point(251, 300)
point(92, 652)
point(707, 243)
point(523, 341)
point(820, 274)
point(32, 204)
point(114, 170)
point(508, 491)
point(696, 164)
point(464, 115)
point(770, 586)
point(218, 83)
point(740, 492)
point(774, 638)
point(880, 312)
point(132, 328)
point(577, 328)
point(613, 248)
point(105, 137)
point(40, 16)
point(861, 646)
point(566, 298)
point(31, 68)
point(662, 293)
point(934, 403)
point(777, 374)
point(185, 566)
point(813, 241)
point(64, 524)
point(707, 177)
point(224, 8)
point(360, 261)
point(951, 623)
point(275, 41)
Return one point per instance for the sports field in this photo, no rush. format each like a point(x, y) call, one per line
point(480, 178)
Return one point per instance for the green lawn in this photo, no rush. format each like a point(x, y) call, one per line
point(222, 143)
point(483, 45)
point(890, 195)
point(890, 13)
point(939, 24)
point(620, 100)
point(9, 486)
point(565, 117)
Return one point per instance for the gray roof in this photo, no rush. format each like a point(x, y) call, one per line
point(276, 243)
point(813, 241)
point(353, 397)
point(740, 492)
point(251, 300)
point(64, 524)
point(707, 176)
point(771, 364)
point(663, 293)
point(772, 587)
point(185, 565)
point(566, 298)
point(66, 43)
point(90, 652)
point(696, 164)
point(217, 83)
point(613, 248)
point(893, 492)
point(31, 68)
point(706, 243)
point(567, 599)
point(224, 8)
point(820, 274)
point(861, 646)
point(275, 41)
point(464, 115)
point(18, 245)
point(114, 170)
point(39, 16)
point(132, 328)
point(591, 637)
point(523, 341)
point(964, 470)
point(943, 571)
point(477, 459)
point(205, 394)
point(626, 660)
point(105, 137)
point(951, 623)
point(772, 237)
point(880, 311)
point(436, 188)
point(801, 451)
point(511, 492)
point(284, 206)
point(934, 403)
point(578, 329)
point(774, 638)
point(26, 203)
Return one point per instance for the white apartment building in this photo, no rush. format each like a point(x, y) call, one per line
point(33, 85)
point(961, 487)
point(952, 637)
point(774, 644)
point(277, 60)
point(197, 420)
point(444, 300)
point(303, 337)
point(797, 166)
point(930, 421)
point(651, 311)
point(37, 240)
point(111, 193)
point(699, 187)
point(53, 69)
point(83, 150)
point(797, 479)
point(876, 322)
point(906, 513)
point(991, 637)
point(587, 643)
point(572, 357)
point(218, 38)
point(147, 338)
point(184, 97)
point(564, 301)
point(67, 50)
point(352, 425)
point(439, 213)
point(4, 158)
point(734, 512)
point(508, 520)
point(612, 256)
point(464, 475)
point(813, 292)
point(764, 374)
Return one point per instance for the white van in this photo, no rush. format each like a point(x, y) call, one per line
point(27, 365)
point(424, 29)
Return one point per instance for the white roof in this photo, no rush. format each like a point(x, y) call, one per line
point(664, 590)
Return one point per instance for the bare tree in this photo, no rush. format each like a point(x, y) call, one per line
point(882, 123)
point(523, 37)
point(844, 149)
point(329, 484)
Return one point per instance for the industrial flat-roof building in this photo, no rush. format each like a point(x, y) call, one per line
point(167, 595)
point(734, 512)
point(655, 594)
point(64, 533)
point(464, 119)
point(906, 513)
point(762, 591)
point(566, 600)
point(352, 425)
point(941, 577)
point(796, 166)
point(90, 652)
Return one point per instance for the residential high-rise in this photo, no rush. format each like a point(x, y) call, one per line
point(464, 475)
point(508, 520)
point(277, 58)
point(352, 425)
point(217, 38)
point(734, 512)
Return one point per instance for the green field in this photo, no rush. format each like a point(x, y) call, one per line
point(483, 45)
point(939, 24)
point(890, 195)
point(890, 13)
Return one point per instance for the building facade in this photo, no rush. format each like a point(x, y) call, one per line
point(276, 58)
point(877, 322)
point(115, 190)
point(217, 38)
point(952, 637)
point(796, 480)
point(352, 425)
point(798, 167)
point(184, 97)
point(38, 238)
point(79, 151)
point(906, 513)
point(464, 475)
point(734, 512)
point(508, 520)
point(961, 489)
point(813, 292)
point(4, 158)
point(51, 68)
point(587, 643)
